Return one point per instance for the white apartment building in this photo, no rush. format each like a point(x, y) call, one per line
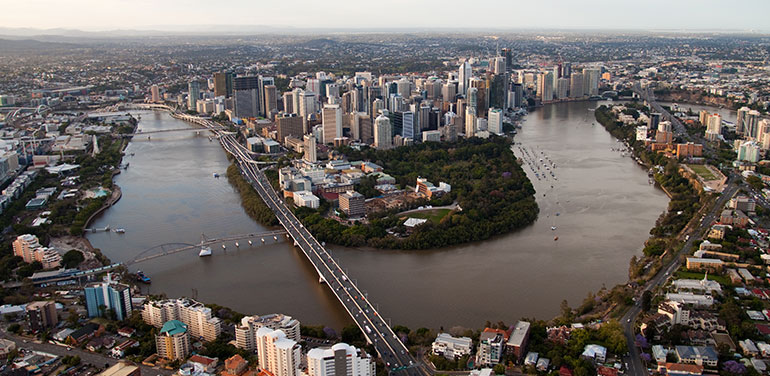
point(451, 347)
point(278, 354)
point(246, 333)
point(340, 360)
point(198, 318)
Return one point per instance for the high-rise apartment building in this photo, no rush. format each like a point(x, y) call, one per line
point(591, 81)
point(576, 85)
point(339, 360)
point(105, 297)
point(278, 354)
point(288, 103)
point(198, 318)
point(470, 122)
point(740, 123)
point(173, 341)
point(545, 86)
point(264, 82)
point(246, 332)
point(30, 250)
point(41, 315)
point(382, 133)
point(193, 94)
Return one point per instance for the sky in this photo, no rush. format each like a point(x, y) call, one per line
point(92, 15)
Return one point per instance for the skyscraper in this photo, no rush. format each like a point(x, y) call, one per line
point(271, 100)
point(288, 102)
point(751, 124)
point(246, 91)
point(508, 54)
point(449, 91)
point(499, 65)
point(382, 133)
point(193, 93)
point(473, 98)
point(154, 94)
point(332, 123)
point(562, 87)
point(470, 122)
point(263, 105)
point(220, 84)
point(576, 85)
point(740, 122)
point(591, 81)
point(464, 77)
point(545, 86)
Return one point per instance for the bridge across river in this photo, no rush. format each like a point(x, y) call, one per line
point(378, 333)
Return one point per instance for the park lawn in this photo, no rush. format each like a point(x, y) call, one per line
point(703, 172)
point(694, 275)
point(434, 216)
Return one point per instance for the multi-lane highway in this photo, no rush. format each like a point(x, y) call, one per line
point(387, 344)
point(635, 365)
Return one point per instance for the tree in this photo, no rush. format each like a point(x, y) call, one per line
point(72, 258)
point(499, 369)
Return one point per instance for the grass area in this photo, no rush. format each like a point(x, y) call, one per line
point(434, 215)
point(694, 275)
point(703, 172)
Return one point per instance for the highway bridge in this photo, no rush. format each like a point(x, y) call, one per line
point(378, 333)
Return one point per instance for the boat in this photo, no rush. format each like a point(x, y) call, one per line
point(216, 175)
point(553, 228)
point(205, 252)
point(141, 277)
point(120, 231)
point(249, 242)
point(237, 245)
point(224, 246)
point(558, 214)
point(555, 238)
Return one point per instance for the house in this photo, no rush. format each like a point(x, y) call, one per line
point(543, 364)
point(559, 334)
point(126, 332)
point(659, 353)
point(119, 351)
point(595, 353)
point(748, 347)
point(531, 359)
point(564, 371)
point(206, 364)
point(606, 371)
point(679, 369)
point(85, 333)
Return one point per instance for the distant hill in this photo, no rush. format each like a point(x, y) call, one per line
point(31, 45)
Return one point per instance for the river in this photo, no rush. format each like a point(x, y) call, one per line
point(605, 203)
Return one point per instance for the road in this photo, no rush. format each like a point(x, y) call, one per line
point(95, 359)
point(634, 361)
point(389, 347)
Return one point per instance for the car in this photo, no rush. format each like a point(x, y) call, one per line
point(629, 320)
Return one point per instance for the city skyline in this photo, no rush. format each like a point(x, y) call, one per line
point(194, 17)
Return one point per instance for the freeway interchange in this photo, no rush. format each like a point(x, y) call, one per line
point(393, 352)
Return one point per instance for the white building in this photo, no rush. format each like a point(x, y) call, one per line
point(382, 133)
point(246, 333)
point(434, 136)
point(495, 121)
point(198, 318)
point(451, 347)
point(332, 123)
point(306, 199)
point(278, 354)
point(340, 360)
point(690, 298)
